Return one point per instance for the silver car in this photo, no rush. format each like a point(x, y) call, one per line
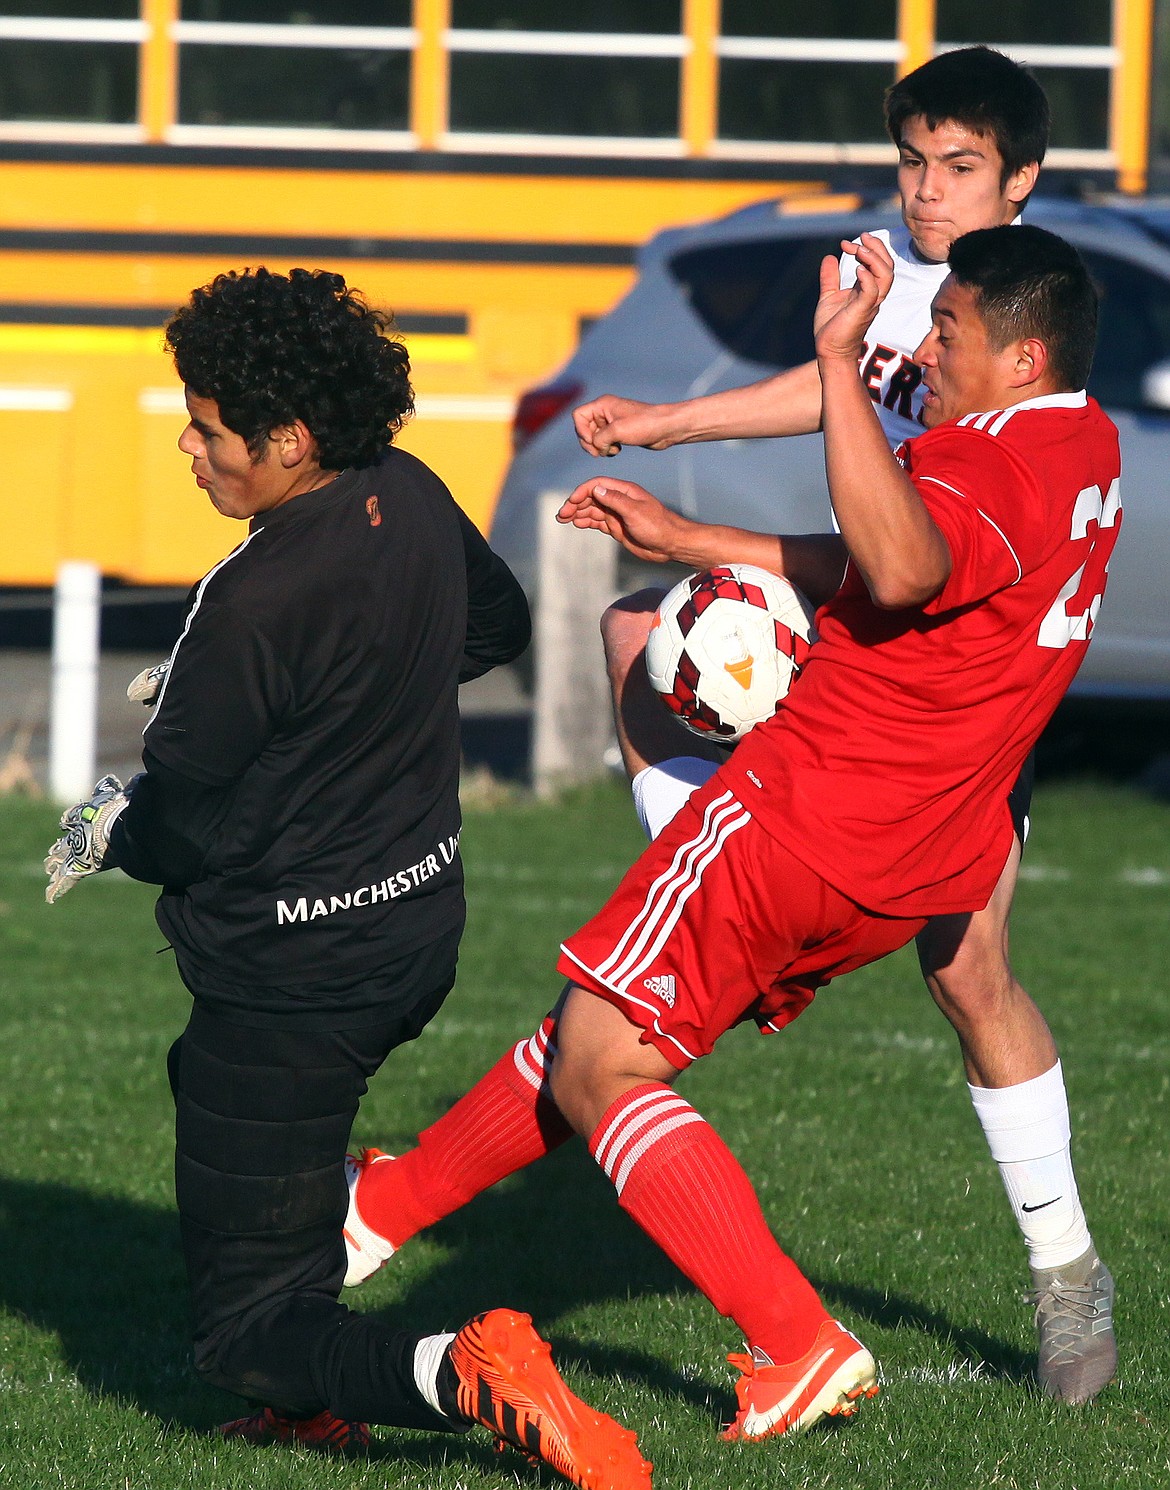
point(731, 301)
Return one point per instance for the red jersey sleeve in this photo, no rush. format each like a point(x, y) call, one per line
point(962, 477)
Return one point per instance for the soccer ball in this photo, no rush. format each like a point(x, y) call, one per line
point(725, 647)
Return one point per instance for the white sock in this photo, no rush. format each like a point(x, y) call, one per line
point(428, 1357)
point(659, 791)
point(1028, 1132)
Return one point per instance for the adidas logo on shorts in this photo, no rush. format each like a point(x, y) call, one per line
point(662, 987)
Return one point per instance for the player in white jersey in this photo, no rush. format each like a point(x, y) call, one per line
point(971, 130)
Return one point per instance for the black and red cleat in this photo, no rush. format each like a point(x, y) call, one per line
point(507, 1382)
point(324, 1432)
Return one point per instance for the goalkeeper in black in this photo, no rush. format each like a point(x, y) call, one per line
point(299, 807)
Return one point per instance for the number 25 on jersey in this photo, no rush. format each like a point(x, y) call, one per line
point(1074, 611)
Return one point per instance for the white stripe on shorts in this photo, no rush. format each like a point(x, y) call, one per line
point(671, 902)
point(723, 815)
point(675, 906)
point(717, 804)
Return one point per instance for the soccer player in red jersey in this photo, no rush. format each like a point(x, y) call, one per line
point(971, 129)
point(956, 604)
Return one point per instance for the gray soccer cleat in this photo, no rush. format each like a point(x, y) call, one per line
point(1074, 1314)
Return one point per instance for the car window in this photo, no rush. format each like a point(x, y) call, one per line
point(1133, 330)
point(757, 299)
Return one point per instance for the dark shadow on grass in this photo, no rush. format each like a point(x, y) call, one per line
point(104, 1275)
point(996, 1358)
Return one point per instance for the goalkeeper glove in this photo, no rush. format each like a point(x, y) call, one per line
point(79, 852)
point(145, 687)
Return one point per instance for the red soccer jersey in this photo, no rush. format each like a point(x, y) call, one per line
point(888, 767)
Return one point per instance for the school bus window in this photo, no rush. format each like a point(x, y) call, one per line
point(1079, 98)
point(72, 10)
point(1071, 23)
point(294, 87)
point(774, 100)
point(593, 96)
point(298, 12)
point(602, 16)
point(828, 18)
point(68, 82)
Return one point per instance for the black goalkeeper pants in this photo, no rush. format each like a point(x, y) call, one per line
point(263, 1117)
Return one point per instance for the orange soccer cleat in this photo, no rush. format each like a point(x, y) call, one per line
point(829, 1380)
point(507, 1382)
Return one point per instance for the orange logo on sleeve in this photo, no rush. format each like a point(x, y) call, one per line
point(372, 509)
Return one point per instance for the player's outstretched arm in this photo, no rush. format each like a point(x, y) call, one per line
point(651, 531)
point(891, 537)
point(787, 404)
point(648, 529)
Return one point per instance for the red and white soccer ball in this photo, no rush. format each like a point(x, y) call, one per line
point(726, 646)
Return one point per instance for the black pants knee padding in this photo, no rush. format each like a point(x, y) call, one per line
point(263, 1117)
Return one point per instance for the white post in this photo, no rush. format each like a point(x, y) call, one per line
point(73, 710)
point(572, 721)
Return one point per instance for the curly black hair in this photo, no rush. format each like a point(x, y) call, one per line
point(271, 348)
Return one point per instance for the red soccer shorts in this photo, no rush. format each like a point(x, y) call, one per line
point(717, 923)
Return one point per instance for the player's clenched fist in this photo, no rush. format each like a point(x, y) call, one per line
point(607, 423)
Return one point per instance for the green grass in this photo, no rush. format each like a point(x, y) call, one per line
point(855, 1126)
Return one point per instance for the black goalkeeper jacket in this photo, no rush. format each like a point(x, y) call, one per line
point(300, 798)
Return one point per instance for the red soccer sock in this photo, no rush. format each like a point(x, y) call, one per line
point(505, 1122)
point(683, 1186)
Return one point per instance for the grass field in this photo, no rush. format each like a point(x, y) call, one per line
point(855, 1125)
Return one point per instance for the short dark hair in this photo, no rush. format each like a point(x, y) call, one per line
point(1028, 282)
point(271, 348)
point(984, 91)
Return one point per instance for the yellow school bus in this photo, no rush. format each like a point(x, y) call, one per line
point(485, 171)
